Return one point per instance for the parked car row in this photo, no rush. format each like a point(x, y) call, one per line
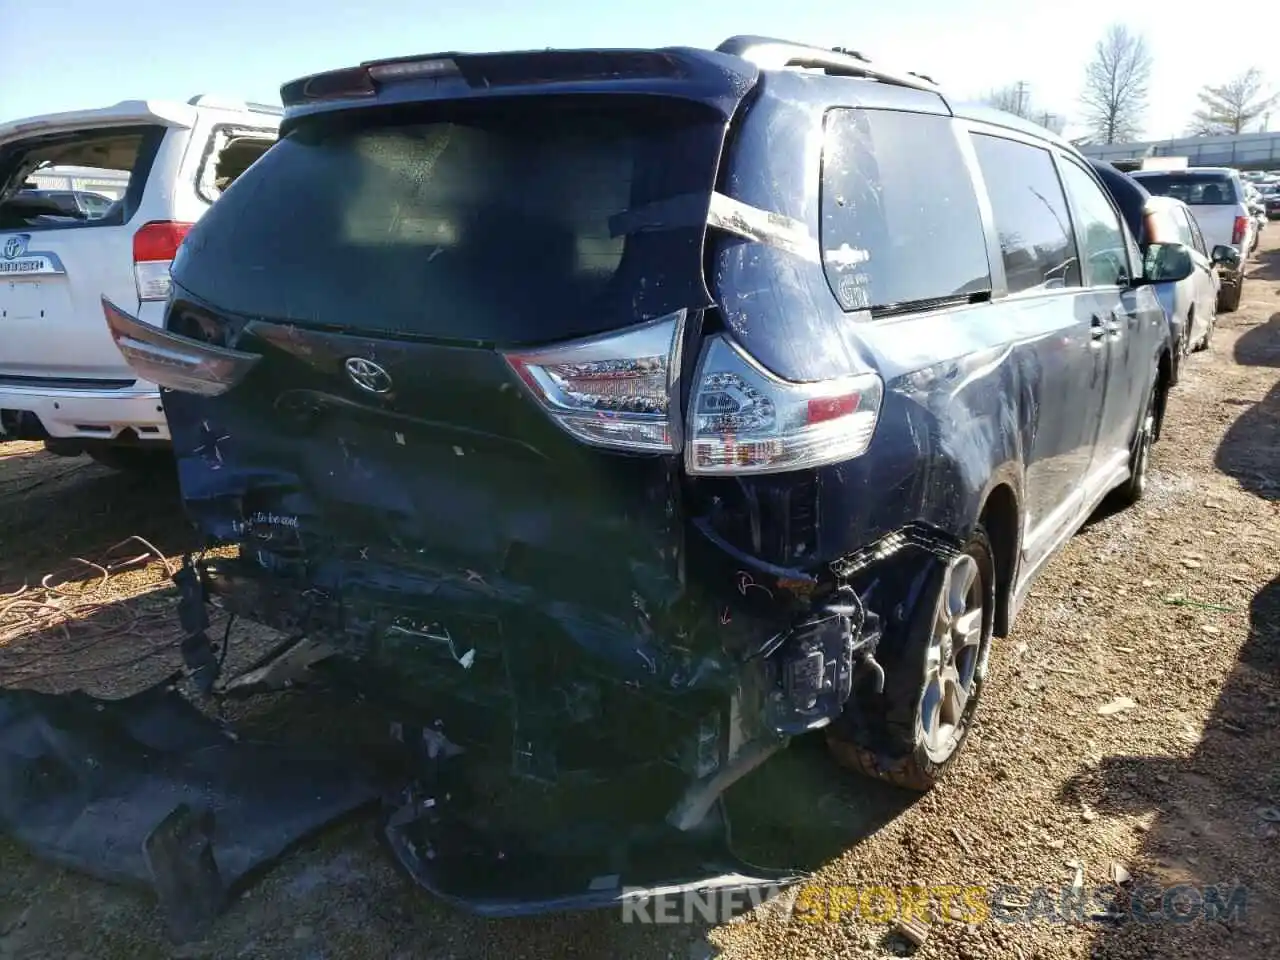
point(1217, 198)
point(1191, 304)
point(1269, 194)
point(625, 415)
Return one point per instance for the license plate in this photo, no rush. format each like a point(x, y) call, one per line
point(21, 300)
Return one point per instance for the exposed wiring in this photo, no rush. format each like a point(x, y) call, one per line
point(66, 608)
point(226, 642)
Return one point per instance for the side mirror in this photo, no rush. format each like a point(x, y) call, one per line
point(1225, 255)
point(1166, 263)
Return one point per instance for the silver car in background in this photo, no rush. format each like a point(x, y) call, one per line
point(1190, 303)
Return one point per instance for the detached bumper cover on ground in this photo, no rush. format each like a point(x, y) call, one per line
point(148, 790)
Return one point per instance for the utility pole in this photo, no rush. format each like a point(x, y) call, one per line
point(1021, 87)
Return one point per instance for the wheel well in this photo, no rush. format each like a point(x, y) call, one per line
point(1164, 376)
point(1000, 518)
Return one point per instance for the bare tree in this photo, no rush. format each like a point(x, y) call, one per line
point(1115, 86)
point(1231, 107)
point(1016, 98)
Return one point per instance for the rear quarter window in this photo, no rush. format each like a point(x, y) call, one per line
point(901, 228)
point(62, 163)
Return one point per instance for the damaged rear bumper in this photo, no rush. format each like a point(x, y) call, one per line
point(560, 757)
point(543, 685)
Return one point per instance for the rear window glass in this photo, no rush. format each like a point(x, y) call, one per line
point(1195, 190)
point(489, 222)
point(230, 153)
point(41, 178)
point(901, 227)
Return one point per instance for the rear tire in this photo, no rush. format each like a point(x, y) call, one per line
point(1133, 489)
point(1229, 297)
point(1208, 333)
point(912, 733)
point(134, 459)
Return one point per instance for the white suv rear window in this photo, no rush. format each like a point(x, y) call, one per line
point(1193, 189)
point(86, 178)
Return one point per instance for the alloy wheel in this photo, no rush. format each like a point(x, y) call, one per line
point(1142, 455)
point(951, 661)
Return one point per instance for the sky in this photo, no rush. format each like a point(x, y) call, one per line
point(72, 54)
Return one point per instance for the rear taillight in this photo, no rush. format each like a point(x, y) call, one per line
point(621, 391)
point(176, 362)
point(614, 390)
point(154, 247)
point(743, 419)
point(1238, 230)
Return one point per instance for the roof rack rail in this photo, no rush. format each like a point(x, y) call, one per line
point(768, 53)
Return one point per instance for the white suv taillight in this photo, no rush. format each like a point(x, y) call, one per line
point(743, 419)
point(154, 247)
point(613, 390)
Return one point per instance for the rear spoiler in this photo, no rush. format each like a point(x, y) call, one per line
point(718, 80)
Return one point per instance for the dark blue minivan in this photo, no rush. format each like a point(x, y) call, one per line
point(621, 415)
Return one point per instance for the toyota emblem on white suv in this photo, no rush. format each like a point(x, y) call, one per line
point(15, 246)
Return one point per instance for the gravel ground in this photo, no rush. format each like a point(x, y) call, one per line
point(1129, 730)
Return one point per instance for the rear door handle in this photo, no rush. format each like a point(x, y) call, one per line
point(1097, 331)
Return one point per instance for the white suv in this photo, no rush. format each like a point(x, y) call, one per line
point(1216, 196)
point(62, 379)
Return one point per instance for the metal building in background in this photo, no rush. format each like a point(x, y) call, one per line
point(1244, 151)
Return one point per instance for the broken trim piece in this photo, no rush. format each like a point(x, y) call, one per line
point(702, 794)
point(752, 223)
point(173, 361)
point(931, 539)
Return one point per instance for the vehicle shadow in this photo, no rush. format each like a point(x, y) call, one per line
point(800, 810)
point(55, 509)
point(1247, 451)
point(1266, 266)
point(1215, 821)
point(1260, 345)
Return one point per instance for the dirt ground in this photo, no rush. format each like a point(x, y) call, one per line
point(1174, 605)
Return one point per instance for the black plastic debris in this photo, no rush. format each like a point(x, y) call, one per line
point(148, 790)
point(598, 867)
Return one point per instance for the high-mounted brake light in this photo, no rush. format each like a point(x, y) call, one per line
point(154, 247)
point(332, 85)
point(412, 69)
point(173, 361)
point(613, 390)
point(361, 81)
point(743, 419)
